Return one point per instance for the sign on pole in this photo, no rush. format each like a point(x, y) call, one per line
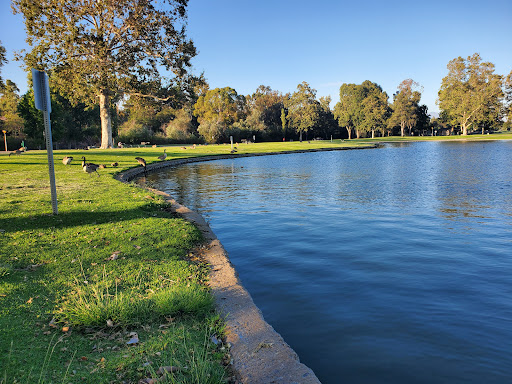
point(43, 103)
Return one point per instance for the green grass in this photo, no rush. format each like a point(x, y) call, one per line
point(75, 286)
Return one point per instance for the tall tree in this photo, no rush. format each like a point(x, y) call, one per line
point(303, 109)
point(405, 105)
point(264, 111)
point(97, 50)
point(353, 112)
point(217, 110)
point(469, 90)
point(508, 99)
point(283, 122)
point(375, 109)
point(9, 100)
point(3, 60)
point(348, 110)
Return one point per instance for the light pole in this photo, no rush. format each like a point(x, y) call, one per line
point(5, 139)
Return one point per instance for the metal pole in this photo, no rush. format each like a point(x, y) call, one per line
point(5, 139)
point(42, 98)
point(51, 168)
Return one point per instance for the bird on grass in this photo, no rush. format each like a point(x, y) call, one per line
point(89, 167)
point(115, 164)
point(67, 160)
point(142, 162)
point(16, 152)
point(164, 156)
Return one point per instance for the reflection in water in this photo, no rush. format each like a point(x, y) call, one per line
point(388, 265)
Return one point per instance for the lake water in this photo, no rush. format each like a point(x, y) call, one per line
point(389, 265)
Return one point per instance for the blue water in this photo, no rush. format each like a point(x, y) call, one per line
point(389, 265)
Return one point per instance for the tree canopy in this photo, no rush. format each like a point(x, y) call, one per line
point(98, 50)
point(3, 60)
point(362, 107)
point(470, 92)
point(303, 108)
point(217, 110)
point(405, 105)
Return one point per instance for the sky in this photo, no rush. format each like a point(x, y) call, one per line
point(280, 43)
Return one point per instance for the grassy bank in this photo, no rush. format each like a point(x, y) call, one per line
point(109, 290)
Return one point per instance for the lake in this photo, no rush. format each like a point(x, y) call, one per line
point(388, 265)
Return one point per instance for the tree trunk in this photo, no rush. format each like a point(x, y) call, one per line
point(357, 133)
point(373, 134)
point(349, 130)
point(300, 136)
point(106, 123)
point(402, 129)
point(464, 130)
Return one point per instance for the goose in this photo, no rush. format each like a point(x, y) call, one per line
point(164, 156)
point(16, 152)
point(89, 167)
point(115, 164)
point(142, 162)
point(67, 160)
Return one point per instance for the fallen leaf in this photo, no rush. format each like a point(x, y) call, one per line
point(113, 256)
point(110, 323)
point(65, 329)
point(52, 323)
point(137, 246)
point(30, 300)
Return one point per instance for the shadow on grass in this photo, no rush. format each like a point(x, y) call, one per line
point(77, 218)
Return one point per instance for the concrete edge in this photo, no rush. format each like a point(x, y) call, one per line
point(259, 353)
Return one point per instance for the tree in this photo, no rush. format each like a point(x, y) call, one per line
point(349, 110)
point(303, 109)
point(264, 112)
point(3, 60)
point(470, 91)
point(99, 50)
point(217, 110)
point(405, 104)
point(9, 100)
point(283, 123)
point(354, 113)
point(71, 125)
point(375, 109)
point(507, 105)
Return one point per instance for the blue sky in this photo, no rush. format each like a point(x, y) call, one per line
point(280, 43)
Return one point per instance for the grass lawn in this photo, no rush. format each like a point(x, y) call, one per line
point(108, 290)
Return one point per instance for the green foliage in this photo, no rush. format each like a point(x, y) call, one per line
point(3, 60)
point(405, 106)
point(9, 100)
point(183, 127)
point(303, 108)
point(356, 113)
point(104, 49)
point(471, 92)
point(71, 125)
point(217, 110)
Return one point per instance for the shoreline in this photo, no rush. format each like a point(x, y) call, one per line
point(259, 354)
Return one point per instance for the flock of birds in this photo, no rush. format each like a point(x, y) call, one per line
point(91, 167)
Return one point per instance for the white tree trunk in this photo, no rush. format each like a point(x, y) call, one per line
point(106, 123)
